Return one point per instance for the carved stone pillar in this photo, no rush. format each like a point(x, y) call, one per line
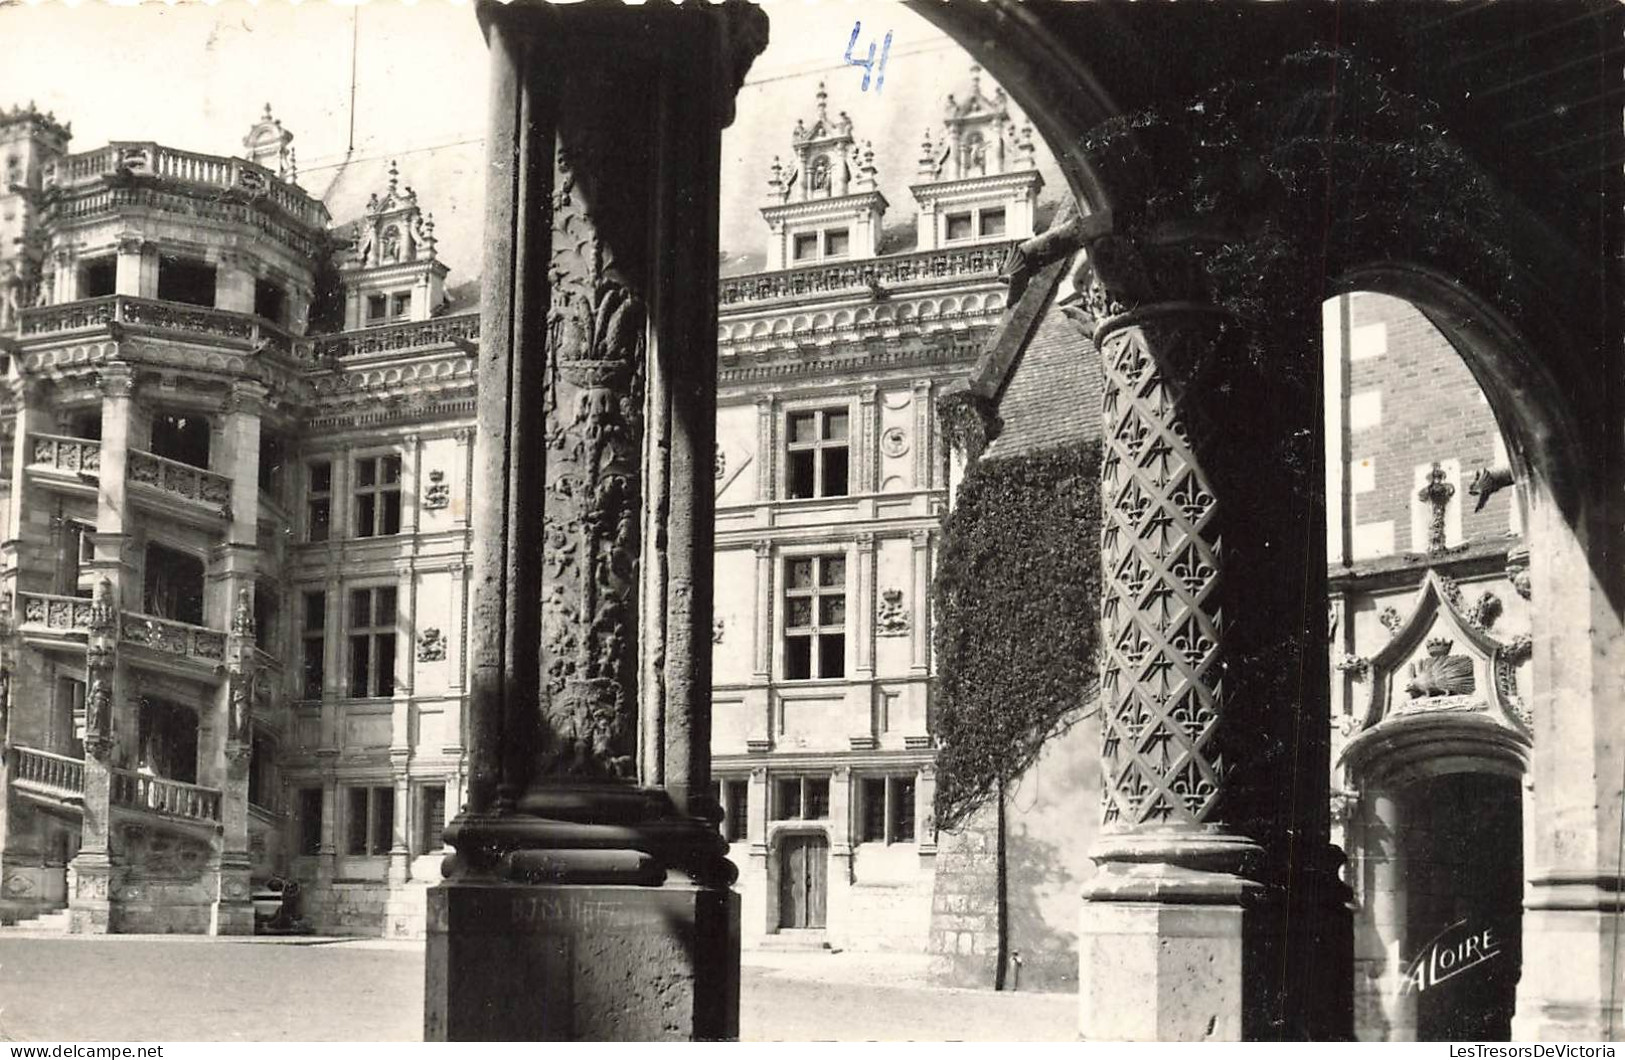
point(1215, 913)
point(590, 714)
point(91, 876)
point(229, 748)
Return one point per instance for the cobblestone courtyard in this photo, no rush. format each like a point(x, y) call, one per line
point(196, 989)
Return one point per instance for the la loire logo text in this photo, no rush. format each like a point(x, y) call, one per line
point(1443, 959)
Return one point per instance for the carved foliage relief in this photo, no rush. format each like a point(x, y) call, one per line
point(1161, 683)
point(594, 427)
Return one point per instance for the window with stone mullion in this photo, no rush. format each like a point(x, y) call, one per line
point(372, 642)
point(814, 617)
point(817, 458)
point(378, 496)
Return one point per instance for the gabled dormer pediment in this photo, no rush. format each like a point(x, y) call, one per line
point(824, 204)
point(268, 144)
point(978, 177)
point(393, 274)
point(1442, 687)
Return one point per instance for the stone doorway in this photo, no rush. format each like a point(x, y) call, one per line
point(803, 881)
point(1463, 847)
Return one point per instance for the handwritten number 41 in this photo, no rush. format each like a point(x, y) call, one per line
point(869, 67)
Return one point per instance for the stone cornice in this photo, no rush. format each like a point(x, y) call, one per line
point(949, 347)
point(974, 187)
point(841, 206)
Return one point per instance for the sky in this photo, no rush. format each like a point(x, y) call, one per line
point(195, 76)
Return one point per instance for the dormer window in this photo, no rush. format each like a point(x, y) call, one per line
point(400, 305)
point(959, 226)
point(987, 222)
point(388, 308)
point(992, 222)
point(816, 246)
point(377, 306)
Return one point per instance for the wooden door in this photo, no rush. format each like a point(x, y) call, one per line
point(803, 881)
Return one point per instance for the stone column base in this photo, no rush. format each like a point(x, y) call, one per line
point(90, 892)
point(581, 962)
point(1564, 994)
point(233, 909)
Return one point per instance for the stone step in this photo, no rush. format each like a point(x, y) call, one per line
point(56, 922)
point(800, 940)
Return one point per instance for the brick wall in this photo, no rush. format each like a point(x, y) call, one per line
point(1412, 401)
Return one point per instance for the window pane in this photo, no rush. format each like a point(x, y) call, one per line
point(872, 826)
point(736, 809)
point(902, 810)
point(366, 472)
point(832, 612)
point(832, 655)
point(804, 427)
point(788, 802)
point(360, 664)
point(385, 615)
point(799, 475)
point(806, 246)
point(392, 470)
point(797, 658)
point(800, 573)
point(392, 513)
point(314, 669)
point(836, 242)
point(375, 306)
point(321, 477)
point(355, 832)
point(993, 222)
point(320, 517)
point(400, 304)
point(360, 607)
point(433, 818)
point(959, 226)
point(817, 799)
point(835, 424)
point(310, 821)
point(832, 572)
point(315, 611)
point(383, 820)
point(834, 473)
point(385, 649)
point(365, 505)
point(798, 612)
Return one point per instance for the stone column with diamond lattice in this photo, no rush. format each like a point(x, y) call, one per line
point(1215, 894)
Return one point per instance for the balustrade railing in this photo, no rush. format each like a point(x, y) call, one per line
point(178, 479)
point(440, 331)
point(166, 316)
point(173, 638)
point(984, 260)
point(59, 614)
point(158, 795)
point(62, 453)
point(50, 774)
point(168, 163)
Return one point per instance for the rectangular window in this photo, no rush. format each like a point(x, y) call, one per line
point(267, 618)
point(377, 496)
point(801, 799)
point(310, 821)
point(270, 301)
point(959, 226)
point(270, 468)
point(400, 305)
point(814, 617)
point(804, 247)
point(432, 819)
point(314, 640)
point(817, 453)
point(369, 821)
point(992, 222)
point(734, 796)
point(377, 307)
point(319, 502)
point(837, 242)
point(186, 280)
point(98, 277)
point(886, 810)
point(372, 642)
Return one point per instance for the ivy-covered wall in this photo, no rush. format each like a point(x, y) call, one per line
point(1017, 598)
point(1017, 615)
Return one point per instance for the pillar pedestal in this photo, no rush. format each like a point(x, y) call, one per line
point(539, 962)
point(90, 893)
